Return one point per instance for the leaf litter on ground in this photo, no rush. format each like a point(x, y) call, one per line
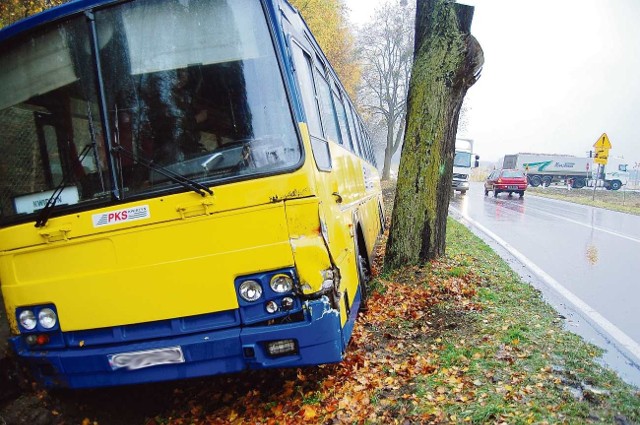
point(458, 340)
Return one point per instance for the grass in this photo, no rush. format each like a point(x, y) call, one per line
point(620, 200)
point(498, 352)
point(458, 340)
point(512, 360)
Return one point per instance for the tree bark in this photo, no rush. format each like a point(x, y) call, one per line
point(447, 61)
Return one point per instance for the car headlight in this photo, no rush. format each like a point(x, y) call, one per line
point(250, 290)
point(27, 320)
point(281, 283)
point(47, 318)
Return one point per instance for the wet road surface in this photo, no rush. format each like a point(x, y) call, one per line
point(593, 253)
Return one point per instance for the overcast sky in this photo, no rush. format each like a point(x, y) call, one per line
point(557, 74)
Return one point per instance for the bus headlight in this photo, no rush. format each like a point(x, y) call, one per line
point(27, 320)
point(271, 307)
point(250, 290)
point(47, 318)
point(281, 283)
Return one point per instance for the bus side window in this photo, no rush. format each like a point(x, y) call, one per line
point(371, 154)
point(319, 146)
point(342, 120)
point(364, 143)
point(329, 121)
point(368, 148)
point(353, 125)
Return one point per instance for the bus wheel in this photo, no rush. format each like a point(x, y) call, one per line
point(363, 274)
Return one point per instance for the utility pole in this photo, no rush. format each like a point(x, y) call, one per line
point(595, 183)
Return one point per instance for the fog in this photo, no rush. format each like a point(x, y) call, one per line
point(557, 75)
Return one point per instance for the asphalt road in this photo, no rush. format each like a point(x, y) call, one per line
point(588, 260)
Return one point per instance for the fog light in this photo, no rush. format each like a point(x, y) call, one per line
point(42, 339)
point(31, 339)
point(47, 318)
point(250, 290)
point(27, 319)
point(281, 283)
point(287, 303)
point(271, 307)
point(282, 347)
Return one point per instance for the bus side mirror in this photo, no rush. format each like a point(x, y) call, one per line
point(476, 164)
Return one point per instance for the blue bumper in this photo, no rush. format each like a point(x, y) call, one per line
point(319, 339)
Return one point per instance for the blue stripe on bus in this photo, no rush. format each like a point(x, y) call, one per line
point(157, 329)
point(319, 340)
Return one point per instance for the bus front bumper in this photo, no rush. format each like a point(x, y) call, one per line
point(315, 340)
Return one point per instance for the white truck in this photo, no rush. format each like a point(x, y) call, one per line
point(544, 169)
point(463, 162)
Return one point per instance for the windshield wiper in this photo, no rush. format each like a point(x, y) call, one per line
point(45, 212)
point(200, 189)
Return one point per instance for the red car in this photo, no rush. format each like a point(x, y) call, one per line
point(506, 180)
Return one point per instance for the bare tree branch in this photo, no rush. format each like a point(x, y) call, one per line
point(385, 47)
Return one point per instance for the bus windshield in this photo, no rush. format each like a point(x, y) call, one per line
point(192, 88)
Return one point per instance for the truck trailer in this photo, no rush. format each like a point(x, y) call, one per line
point(544, 169)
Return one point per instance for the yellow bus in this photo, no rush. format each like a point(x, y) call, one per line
point(185, 190)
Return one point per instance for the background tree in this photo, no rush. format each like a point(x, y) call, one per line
point(328, 22)
point(385, 50)
point(447, 62)
point(14, 10)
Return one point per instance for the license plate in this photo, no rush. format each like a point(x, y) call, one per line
point(512, 187)
point(147, 358)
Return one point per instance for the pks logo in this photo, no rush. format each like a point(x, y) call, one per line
point(121, 216)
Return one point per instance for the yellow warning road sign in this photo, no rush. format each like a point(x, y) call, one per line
point(602, 142)
point(602, 145)
point(601, 156)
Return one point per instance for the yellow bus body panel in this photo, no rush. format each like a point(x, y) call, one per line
point(182, 261)
point(309, 251)
point(358, 186)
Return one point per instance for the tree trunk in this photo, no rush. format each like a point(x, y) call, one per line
point(447, 62)
point(388, 152)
